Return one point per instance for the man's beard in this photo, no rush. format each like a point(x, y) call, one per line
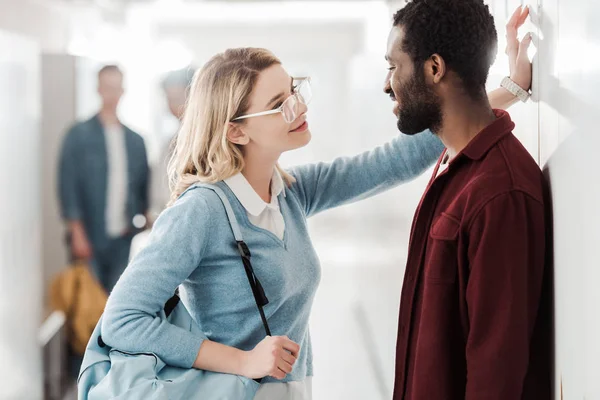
point(420, 108)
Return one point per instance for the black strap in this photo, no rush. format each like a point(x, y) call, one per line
point(172, 303)
point(257, 290)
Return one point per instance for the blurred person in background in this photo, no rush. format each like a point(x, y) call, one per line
point(175, 86)
point(103, 184)
point(244, 111)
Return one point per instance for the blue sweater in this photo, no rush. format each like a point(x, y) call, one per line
point(192, 246)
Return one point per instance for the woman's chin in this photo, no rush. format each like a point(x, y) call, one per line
point(301, 139)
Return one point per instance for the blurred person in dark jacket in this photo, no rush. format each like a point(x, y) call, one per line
point(103, 184)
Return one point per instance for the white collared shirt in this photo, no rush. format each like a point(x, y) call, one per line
point(260, 213)
point(116, 199)
point(444, 164)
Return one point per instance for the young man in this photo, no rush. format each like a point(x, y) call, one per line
point(473, 318)
point(103, 184)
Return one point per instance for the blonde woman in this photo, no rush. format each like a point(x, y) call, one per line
point(244, 111)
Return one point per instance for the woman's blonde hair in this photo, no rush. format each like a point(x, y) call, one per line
point(219, 93)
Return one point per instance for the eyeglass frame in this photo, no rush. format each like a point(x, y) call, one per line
point(304, 79)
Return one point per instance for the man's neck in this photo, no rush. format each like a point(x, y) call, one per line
point(108, 117)
point(463, 120)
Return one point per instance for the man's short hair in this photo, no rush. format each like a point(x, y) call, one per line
point(178, 78)
point(461, 31)
point(109, 68)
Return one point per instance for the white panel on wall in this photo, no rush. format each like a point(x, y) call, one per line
point(20, 230)
point(58, 113)
point(569, 83)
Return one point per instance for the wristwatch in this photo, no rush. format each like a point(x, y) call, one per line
point(515, 89)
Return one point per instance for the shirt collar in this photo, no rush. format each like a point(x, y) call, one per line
point(250, 200)
point(489, 136)
point(98, 122)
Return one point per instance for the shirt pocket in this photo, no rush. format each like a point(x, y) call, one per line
point(441, 264)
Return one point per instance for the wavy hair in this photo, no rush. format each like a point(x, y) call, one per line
point(220, 92)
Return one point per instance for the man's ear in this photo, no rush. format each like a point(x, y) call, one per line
point(236, 135)
point(434, 69)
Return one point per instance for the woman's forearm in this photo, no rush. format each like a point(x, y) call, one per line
point(217, 357)
point(502, 99)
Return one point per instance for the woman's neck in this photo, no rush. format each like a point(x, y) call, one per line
point(258, 171)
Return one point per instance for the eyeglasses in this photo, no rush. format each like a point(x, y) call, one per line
point(291, 106)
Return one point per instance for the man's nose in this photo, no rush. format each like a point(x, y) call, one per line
point(387, 87)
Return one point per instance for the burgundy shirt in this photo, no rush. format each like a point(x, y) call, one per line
point(474, 316)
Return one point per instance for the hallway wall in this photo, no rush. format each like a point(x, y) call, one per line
point(568, 83)
point(20, 213)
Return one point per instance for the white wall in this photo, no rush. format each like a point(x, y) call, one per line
point(568, 78)
point(20, 230)
point(45, 22)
